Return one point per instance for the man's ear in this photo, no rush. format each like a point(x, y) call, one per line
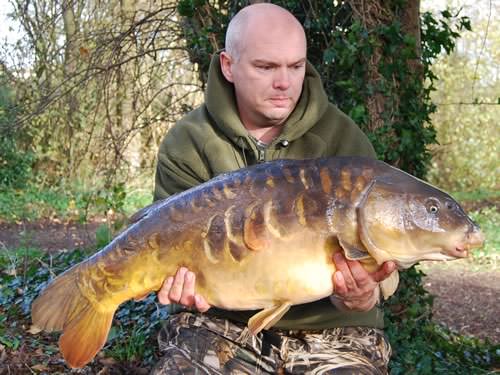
point(225, 65)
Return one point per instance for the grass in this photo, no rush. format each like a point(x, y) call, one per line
point(488, 218)
point(33, 203)
point(475, 195)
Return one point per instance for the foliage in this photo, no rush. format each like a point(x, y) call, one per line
point(25, 272)
point(136, 325)
point(36, 202)
point(488, 218)
point(15, 162)
point(468, 108)
point(97, 85)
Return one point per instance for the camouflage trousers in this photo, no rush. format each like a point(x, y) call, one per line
point(200, 344)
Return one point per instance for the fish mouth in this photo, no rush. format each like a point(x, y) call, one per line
point(457, 252)
point(474, 239)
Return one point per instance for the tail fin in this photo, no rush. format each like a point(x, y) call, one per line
point(84, 336)
point(61, 306)
point(58, 303)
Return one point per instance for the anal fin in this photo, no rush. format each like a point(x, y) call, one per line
point(266, 318)
point(141, 297)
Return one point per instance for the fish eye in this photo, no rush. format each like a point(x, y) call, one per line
point(432, 206)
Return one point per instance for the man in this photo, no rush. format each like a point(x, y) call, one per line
point(263, 102)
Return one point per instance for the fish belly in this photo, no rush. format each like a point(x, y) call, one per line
point(297, 271)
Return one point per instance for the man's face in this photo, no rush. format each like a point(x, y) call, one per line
point(268, 76)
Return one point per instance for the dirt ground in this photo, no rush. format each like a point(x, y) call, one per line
point(466, 300)
point(51, 235)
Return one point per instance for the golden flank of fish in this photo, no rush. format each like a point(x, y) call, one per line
point(259, 238)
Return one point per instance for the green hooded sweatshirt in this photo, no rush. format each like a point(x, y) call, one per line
point(211, 140)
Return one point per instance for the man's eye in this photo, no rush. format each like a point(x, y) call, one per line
point(265, 67)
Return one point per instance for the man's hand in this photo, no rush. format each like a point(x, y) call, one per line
point(180, 290)
point(355, 288)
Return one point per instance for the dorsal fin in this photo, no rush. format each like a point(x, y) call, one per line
point(143, 212)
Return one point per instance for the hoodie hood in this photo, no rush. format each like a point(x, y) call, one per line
point(220, 101)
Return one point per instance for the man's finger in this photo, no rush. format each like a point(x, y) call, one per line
point(187, 296)
point(342, 266)
point(177, 286)
point(200, 303)
point(360, 276)
point(340, 288)
point(165, 290)
point(384, 271)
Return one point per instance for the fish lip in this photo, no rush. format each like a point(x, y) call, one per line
point(460, 252)
point(456, 252)
point(472, 240)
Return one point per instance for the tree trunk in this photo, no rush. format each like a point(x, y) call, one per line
point(69, 68)
point(372, 14)
point(131, 143)
point(410, 22)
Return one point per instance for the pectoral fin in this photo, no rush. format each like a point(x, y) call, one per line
point(353, 252)
point(268, 317)
point(389, 285)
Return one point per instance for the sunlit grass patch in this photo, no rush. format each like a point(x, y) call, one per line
point(488, 218)
point(34, 203)
point(476, 195)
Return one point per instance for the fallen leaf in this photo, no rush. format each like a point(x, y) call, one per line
point(108, 361)
point(11, 271)
point(40, 367)
point(3, 355)
point(34, 330)
point(103, 371)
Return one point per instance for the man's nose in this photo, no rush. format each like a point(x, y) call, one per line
point(281, 79)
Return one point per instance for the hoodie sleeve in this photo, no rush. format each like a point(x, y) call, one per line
point(173, 176)
point(180, 162)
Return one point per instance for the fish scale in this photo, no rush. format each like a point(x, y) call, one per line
point(259, 238)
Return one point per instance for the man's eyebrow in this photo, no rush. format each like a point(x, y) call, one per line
point(301, 61)
point(268, 62)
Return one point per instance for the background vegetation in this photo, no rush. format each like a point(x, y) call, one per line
point(88, 92)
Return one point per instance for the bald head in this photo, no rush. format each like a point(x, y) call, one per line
point(265, 60)
point(259, 22)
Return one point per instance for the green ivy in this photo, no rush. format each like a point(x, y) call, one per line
point(25, 273)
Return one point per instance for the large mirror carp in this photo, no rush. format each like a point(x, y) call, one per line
point(259, 238)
